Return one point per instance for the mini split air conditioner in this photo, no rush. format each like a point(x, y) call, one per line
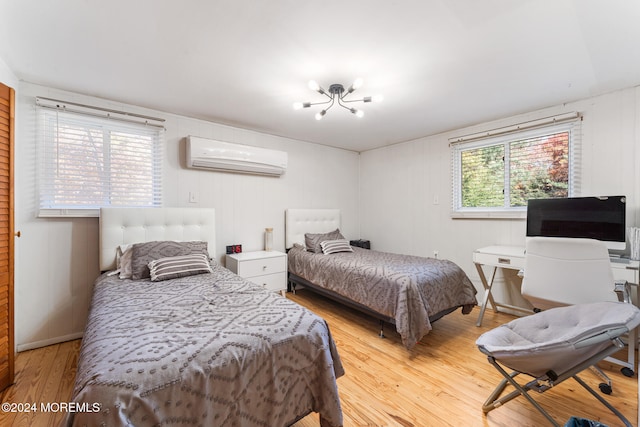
point(210, 154)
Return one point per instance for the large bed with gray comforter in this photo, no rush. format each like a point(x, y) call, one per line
point(207, 348)
point(408, 291)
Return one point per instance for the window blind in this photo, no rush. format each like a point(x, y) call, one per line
point(496, 176)
point(87, 162)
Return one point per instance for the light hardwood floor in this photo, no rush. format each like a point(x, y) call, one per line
point(443, 382)
point(44, 375)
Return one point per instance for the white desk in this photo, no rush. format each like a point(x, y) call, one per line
point(507, 257)
point(512, 257)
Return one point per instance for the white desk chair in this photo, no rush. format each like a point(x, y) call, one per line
point(565, 271)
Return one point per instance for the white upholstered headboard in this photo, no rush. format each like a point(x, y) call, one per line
point(120, 226)
point(300, 221)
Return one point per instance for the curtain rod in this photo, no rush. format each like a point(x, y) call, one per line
point(517, 127)
point(57, 104)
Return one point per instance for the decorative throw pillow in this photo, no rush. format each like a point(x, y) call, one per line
point(335, 246)
point(143, 253)
point(178, 266)
point(123, 259)
point(312, 241)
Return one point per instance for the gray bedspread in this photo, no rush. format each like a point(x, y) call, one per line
point(410, 289)
point(207, 350)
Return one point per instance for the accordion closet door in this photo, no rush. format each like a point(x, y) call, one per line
point(7, 351)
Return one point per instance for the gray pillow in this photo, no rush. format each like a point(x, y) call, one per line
point(312, 241)
point(143, 253)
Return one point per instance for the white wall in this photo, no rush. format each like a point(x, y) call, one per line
point(405, 189)
point(7, 77)
point(400, 200)
point(57, 259)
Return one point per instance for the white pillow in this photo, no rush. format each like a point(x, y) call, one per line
point(123, 260)
point(335, 246)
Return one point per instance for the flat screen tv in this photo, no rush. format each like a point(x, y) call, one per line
point(601, 218)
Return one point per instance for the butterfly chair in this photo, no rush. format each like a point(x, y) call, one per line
point(563, 271)
point(554, 345)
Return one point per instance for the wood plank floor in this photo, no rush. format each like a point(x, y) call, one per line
point(443, 382)
point(44, 375)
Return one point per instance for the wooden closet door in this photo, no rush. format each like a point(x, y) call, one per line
point(7, 354)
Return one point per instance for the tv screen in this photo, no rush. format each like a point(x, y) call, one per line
point(601, 218)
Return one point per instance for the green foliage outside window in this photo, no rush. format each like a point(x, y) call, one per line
point(536, 168)
point(483, 177)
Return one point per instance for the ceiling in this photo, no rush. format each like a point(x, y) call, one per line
point(440, 64)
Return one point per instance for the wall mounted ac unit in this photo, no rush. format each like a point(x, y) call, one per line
point(203, 153)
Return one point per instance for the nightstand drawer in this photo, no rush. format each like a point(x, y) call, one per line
point(271, 282)
point(258, 267)
point(266, 269)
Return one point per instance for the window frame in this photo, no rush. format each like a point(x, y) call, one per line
point(109, 123)
point(458, 145)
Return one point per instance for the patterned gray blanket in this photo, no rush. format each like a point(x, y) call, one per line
point(410, 289)
point(208, 350)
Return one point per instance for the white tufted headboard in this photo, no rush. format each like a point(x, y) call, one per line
point(133, 225)
point(300, 221)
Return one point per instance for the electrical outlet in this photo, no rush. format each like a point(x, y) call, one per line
point(193, 197)
point(436, 253)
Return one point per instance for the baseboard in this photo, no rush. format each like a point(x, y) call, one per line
point(50, 341)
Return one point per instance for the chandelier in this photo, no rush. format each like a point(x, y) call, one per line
point(337, 93)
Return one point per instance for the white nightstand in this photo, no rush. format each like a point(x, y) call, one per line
point(265, 268)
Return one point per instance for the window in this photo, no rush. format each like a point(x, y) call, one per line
point(494, 176)
point(88, 161)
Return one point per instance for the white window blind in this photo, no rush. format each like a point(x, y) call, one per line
point(495, 175)
point(87, 161)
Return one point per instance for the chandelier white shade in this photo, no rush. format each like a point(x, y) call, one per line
point(336, 94)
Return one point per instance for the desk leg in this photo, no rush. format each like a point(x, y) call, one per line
point(488, 298)
point(633, 342)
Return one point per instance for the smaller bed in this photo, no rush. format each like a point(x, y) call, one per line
point(408, 291)
point(208, 349)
